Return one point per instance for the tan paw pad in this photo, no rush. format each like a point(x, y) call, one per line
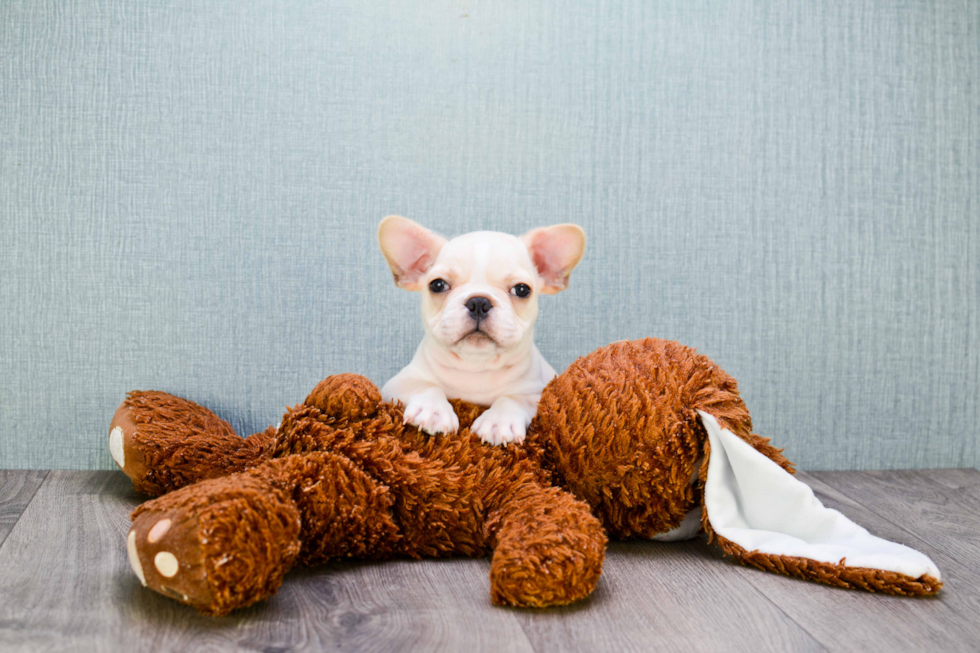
point(134, 558)
point(166, 563)
point(158, 531)
point(116, 447)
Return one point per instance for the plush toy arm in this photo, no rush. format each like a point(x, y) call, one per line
point(163, 443)
point(345, 396)
point(548, 548)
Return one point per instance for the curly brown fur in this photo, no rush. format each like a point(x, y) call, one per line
point(617, 446)
point(548, 549)
point(374, 488)
point(636, 402)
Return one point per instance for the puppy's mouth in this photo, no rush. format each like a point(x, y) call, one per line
point(476, 336)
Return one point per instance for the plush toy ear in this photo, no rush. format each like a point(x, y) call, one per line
point(410, 249)
point(765, 517)
point(555, 250)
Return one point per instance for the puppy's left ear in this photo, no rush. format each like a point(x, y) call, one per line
point(555, 250)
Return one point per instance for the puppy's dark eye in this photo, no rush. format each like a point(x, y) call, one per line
point(521, 290)
point(438, 285)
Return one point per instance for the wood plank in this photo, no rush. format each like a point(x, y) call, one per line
point(855, 620)
point(667, 597)
point(65, 584)
point(396, 605)
point(17, 488)
point(961, 480)
point(947, 518)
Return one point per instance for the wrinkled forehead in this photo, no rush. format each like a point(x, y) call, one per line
point(488, 254)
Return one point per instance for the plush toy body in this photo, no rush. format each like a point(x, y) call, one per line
point(640, 439)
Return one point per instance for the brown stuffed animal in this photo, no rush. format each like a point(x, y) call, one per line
point(622, 444)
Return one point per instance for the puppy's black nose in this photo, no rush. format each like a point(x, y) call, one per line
point(478, 307)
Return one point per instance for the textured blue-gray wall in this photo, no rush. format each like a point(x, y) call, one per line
point(189, 193)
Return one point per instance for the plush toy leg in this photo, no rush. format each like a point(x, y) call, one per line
point(163, 443)
point(215, 546)
point(549, 549)
point(765, 517)
point(226, 543)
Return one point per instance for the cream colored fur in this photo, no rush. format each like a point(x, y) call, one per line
point(491, 361)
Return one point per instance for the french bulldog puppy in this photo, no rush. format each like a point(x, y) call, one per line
point(479, 303)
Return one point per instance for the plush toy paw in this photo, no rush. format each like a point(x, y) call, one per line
point(549, 550)
point(503, 423)
point(432, 413)
point(123, 446)
point(167, 555)
point(219, 545)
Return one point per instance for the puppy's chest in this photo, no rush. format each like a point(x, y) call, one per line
point(485, 387)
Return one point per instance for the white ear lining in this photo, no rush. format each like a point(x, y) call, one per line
point(555, 251)
point(409, 248)
point(759, 506)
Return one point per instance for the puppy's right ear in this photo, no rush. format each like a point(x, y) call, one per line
point(410, 249)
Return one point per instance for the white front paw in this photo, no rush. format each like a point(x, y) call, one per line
point(504, 422)
point(431, 413)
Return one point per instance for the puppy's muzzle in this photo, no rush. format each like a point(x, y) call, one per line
point(478, 307)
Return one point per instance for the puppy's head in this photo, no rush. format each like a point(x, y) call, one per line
point(480, 290)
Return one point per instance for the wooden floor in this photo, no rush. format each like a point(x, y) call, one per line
point(65, 584)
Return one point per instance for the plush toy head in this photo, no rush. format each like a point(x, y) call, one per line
point(621, 428)
point(657, 440)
